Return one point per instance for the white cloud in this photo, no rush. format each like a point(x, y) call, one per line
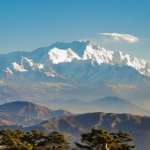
point(122, 37)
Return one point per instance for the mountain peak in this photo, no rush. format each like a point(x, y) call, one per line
point(22, 108)
point(60, 56)
point(87, 50)
point(41, 60)
point(77, 46)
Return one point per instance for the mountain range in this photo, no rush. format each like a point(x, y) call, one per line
point(29, 116)
point(59, 53)
point(27, 113)
point(78, 71)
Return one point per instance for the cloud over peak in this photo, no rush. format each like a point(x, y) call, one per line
point(121, 37)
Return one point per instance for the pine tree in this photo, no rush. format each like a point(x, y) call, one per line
point(33, 140)
point(99, 139)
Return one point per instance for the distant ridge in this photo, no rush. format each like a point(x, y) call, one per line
point(16, 115)
point(27, 113)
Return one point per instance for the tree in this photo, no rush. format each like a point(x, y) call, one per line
point(37, 140)
point(33, 140)
point(11, 140)
point(99, 139)
point(57, 141)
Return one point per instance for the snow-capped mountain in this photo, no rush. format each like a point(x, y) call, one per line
point(78, 70)
point(43, 59)
point(57, 55)
point(99, 55)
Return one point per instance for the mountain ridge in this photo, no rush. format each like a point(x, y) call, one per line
point(76, 124)
point(83, 51)
point(26, 113)
point(72, 70)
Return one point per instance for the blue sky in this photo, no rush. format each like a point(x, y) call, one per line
point(29, 24)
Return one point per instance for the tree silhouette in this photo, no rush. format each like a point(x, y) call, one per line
point(37, 140)
point(103, 140)
point(33, 140)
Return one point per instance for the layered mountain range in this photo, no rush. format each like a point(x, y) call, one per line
point(67, 75)
point(28, 116)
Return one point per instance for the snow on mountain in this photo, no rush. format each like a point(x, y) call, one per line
point(29, 64)
point(103, 56)
point(99, 55)
point(90, 52)
point(25, 65)
point(8, 71)
point(43, 59)
point(60, 56)
point(18, 67)
point(73, 70)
